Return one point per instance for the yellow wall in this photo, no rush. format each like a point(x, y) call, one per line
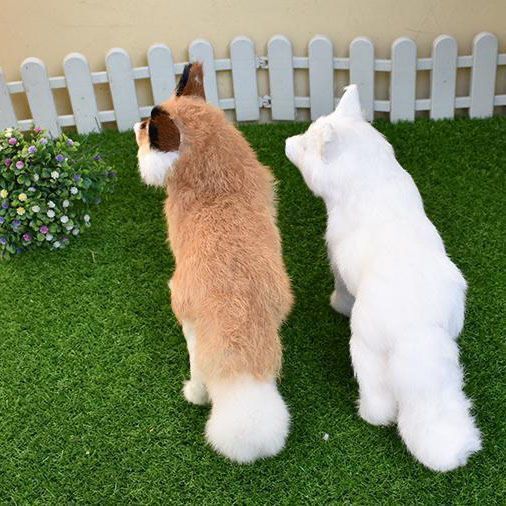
point(50, 29)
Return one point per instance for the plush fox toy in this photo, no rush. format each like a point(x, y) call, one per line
point(230, 290)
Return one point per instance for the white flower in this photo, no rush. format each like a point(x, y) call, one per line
point(66, 203)
point(8, 132)
point(35, 209)
point(75, 231)
point(57, 244)
point(35, 177)
point(64, 219)
point(86, 218)
point(31, 189)
point(50, 213)
point(69, 227)
point(55, 174)
point(49, 237)
point(51, 204)
point(74, 190)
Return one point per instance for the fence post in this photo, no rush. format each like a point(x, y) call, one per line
point(201, 50)
point(121, 82)
point(485, 48)
point(81, 93)
point(281, 83)
point(40, 96)
point(321, 76)
point(443, 77)
point(7, 115)
point(403, 80)
point(244, 79)
point(362, 73)
point(161, 72)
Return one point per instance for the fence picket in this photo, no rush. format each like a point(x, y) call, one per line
point(161, 71)
point(121, 82)
point(81, 93)
point(403, 80)
point(7, 114)
point(362, 73)
point(281, 83)
point(321, 76)
point(485, 46)
point(244, 79)
point(443, 77)
point(201, 50)
point(40, 96)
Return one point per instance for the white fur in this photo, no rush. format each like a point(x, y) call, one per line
point(155, 165)
point(249, 419)
point(392, 273)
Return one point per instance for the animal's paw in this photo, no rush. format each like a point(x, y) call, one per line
point(342, 302)
point(195, 392)
point(378, 410)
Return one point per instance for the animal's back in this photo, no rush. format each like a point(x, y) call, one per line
point(235, 287)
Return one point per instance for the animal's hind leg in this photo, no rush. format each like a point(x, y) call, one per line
point(376, 403)
point(341, 299)
point(194, 389)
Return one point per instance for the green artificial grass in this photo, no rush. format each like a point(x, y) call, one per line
point(92, 360)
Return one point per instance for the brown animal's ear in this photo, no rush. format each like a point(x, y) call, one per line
point(163, 132)
point(192, 81)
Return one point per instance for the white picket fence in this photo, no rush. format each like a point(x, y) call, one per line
point(280, 64)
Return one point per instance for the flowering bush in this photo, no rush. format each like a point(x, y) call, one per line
point(46, 190)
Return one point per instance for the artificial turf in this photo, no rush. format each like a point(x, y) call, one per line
point(92, 360)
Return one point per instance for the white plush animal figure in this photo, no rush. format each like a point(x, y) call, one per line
point(392, 275)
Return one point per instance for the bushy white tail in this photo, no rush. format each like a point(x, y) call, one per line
point(249, 419)
point(434, 418)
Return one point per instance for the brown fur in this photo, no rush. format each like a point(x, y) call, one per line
point(192, 81)
point(229, 279)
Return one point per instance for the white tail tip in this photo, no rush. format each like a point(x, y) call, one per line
point(249, 419)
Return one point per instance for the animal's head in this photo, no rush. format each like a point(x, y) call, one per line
point(158, 137)
point(316, 151)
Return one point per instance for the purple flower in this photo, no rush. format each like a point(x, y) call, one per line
point(2, 220)
point(27, 237)
point(97, 158)
point(112, 173)
point(44, 229)
point(12, 141)
point(43, 141)
point(37, 130)
point(20, 164)
point(15, 223)
point(5, 205)
point(70, 142)
point(77, 177)
point(7, 162)
point(60, 158)
point(3, 240)
point(32, 150)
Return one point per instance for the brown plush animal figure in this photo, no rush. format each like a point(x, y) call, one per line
point(230, 290)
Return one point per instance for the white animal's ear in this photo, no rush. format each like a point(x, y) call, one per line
point(349, 105)
point(327, 141)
